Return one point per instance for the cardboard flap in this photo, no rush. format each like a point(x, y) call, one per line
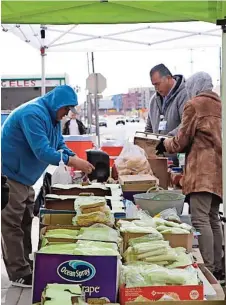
point(134, 179)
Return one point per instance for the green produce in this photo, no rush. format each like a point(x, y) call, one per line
point(101, 234)
point(146, 238)
point(153, 275)
point(62, 233)
point(175, 231)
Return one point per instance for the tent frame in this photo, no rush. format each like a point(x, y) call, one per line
point(90, 37)
point(222, 23)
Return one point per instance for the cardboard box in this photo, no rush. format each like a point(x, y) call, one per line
point(180, 240)
point(126, 236)
point(159, 167)
point(148, 141)
point(177, 303)
point(175, 240)
point(155, 293)
point(58, 240)
point(54, 217)
point(89, 271)
point(140, 183)
point(219, 299)
point(97, 189)
point(59, 204)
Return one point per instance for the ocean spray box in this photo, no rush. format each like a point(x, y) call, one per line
point(98, 275)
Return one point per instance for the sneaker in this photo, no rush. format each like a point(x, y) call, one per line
point(25, 282)
point(220, 276)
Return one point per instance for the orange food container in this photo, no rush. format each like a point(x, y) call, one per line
point(79, 144)
point(112, 151)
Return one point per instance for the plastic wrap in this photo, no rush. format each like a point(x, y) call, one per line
point(96, 244)
point(86, 220)
point(132, 161)
point(99, 234)
point(89, 204)
point(170, 215)
point(58, 249)
point(62, 233)
point(171, 227)
point(183, 260)
point(150, 246)
point(90, 248)
point(153, 275)
point(170, 255)
point(136, 229)
point(145, 238)
point(146, 218)
point(175, 231)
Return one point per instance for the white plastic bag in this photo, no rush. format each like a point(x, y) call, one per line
point(61, 174)
point(132, 161)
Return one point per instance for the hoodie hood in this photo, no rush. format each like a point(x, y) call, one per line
point(61, 96)
point(198, 83)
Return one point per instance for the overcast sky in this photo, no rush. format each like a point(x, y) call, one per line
point(122, 69)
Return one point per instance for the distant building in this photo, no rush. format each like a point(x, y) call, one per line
point(106, 104)
point(18, 89)
point(117, 102)
point(130, 101)
point(145, 94)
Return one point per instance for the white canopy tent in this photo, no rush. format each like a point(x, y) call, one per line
point(74, 38)
point(126, 37)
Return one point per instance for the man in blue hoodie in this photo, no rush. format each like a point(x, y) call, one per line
point(31, 138)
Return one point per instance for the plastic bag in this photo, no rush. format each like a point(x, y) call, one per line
point(103, 233)
point(89, 204)
point(62, 233)
point(170, 215)
point(154, 275)
point(151, 246)
point(61, 174)
point(146, 238)
point(175, 231)
point(132, 161)
point(89, 219)
point(146, 218)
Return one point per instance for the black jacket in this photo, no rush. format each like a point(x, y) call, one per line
point(5, 192)
point(81, 127)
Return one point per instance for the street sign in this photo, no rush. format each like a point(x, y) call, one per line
point(96, 83)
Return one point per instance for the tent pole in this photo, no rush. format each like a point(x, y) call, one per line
point(223, 98)
point(43, 88)
point(43, 54)
point(96, 102)
point(220, 69)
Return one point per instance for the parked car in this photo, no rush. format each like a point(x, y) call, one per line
point(103, 122)
point(133, 119)
point(121, 120)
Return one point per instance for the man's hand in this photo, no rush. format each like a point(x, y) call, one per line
point(81, 165)
point(160, 148)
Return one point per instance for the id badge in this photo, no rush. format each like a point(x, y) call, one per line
point(162, 125)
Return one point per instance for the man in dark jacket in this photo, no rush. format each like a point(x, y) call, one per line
point(74, 126)
point(167, 104)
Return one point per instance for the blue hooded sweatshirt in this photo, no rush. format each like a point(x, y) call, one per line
point(31, 136)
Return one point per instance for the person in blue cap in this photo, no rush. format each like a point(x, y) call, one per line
point(31, 140)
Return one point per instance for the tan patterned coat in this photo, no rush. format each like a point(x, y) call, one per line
point(200, 137)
